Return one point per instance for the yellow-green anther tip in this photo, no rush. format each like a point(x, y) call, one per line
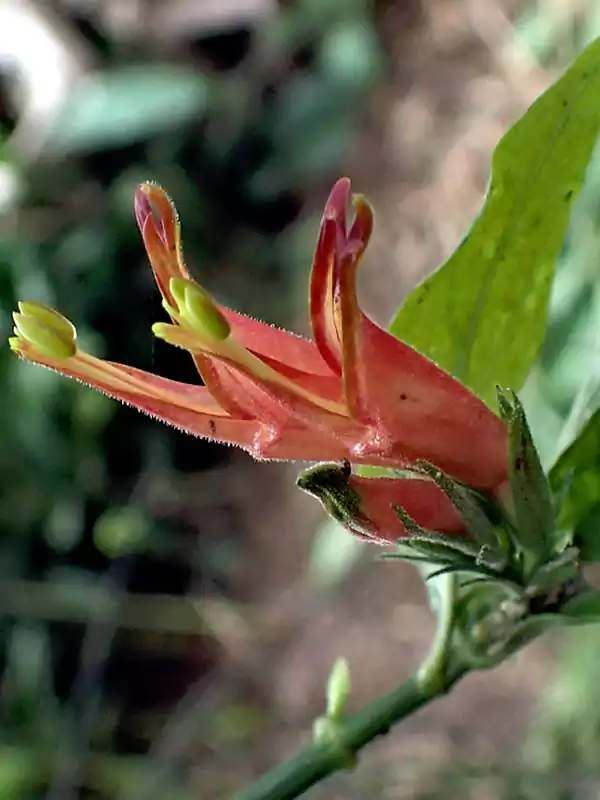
point(171, 334)
point(47, 340)
point(199, 310)
point(161, 330)
point(51, 318)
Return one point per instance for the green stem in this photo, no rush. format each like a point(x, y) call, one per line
point(323, 757)
point(316, 761)
point(432, 673)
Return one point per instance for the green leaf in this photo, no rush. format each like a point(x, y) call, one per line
point(577, 471)
point(582, 454)
point(584, 607)
point(121, 106)
point(482, 315)
point(586, 536)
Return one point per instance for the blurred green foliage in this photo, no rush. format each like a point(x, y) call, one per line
point(241, 125)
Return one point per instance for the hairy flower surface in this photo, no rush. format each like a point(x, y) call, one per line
point(354, 392)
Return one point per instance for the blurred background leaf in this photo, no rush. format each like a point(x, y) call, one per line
point(126, 105)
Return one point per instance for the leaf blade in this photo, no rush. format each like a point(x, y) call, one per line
point(482, 315)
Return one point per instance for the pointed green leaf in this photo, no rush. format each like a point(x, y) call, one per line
point(533, 502)
point(473, 508)
point(482, 316)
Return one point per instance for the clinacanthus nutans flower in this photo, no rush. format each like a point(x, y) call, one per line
point(354, 392)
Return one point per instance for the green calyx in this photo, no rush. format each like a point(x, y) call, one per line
point(478, 512)
point(445, 553)
point(531, 496)
point(511, 553)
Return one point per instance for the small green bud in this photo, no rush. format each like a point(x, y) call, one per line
point(338, 689)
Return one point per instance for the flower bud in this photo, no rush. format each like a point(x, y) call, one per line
point(338, 688)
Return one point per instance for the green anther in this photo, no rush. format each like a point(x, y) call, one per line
point(49, 317)
point(199, 310)
point(177, 288)
point(48, 339)
point(207, 318)
point(174, 335)
point(165, 331)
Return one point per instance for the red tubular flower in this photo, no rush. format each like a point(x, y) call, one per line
point(355, 392)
